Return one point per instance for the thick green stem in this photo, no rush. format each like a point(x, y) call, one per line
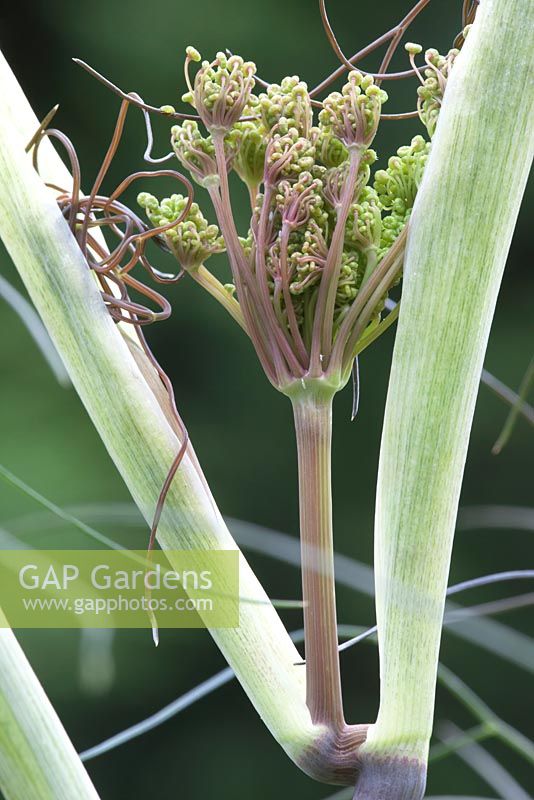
point(458, 241)
point(37, 759)
point(313, 426)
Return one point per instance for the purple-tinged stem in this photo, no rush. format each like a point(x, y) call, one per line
point(378, 283)
point(324, 315)
point(261, 275)
point(255, 329)
point(313, 425)
point(276, 348)
point(396, 777)
point(288, 300)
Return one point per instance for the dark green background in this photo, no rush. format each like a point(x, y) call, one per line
point(240, 427)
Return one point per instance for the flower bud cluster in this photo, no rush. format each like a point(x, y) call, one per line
point(195, 152)
point(398, 184)
point(432, 91)
point(192, 239)
point(396, 188)
point(289, 100)
point(248, 142)
point(221, 90)
point(353, 114)
point(331, 152)
point(364, 225)
point(302, 221)
point(288, 154)
point(297, 174)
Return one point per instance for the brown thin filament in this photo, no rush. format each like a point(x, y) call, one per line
point(83, 214)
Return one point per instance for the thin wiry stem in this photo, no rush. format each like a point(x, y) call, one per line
point(132, 98)
point(484, 730)
point(508, 395)
point(109, 270)
point(513, 738)
point(484, 765)
point(392, 34)
point(35, 328)
point(524, 389)
point(474, 583)
point(324, 313)
point(380, 75)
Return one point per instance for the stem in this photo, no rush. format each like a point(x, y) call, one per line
point(313, 425)
point(214, 287)
point(279, 334)
point(244, 284)
point(381, 328)
point(324, 316)
point(458, 242)
point(367, 297)
point(280, 348)
point(288, 300)
point(37, 759)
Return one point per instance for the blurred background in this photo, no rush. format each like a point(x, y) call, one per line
point(241, 428)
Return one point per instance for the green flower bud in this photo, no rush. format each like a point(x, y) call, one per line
point(193, 54)
point(413, 49)
point(350, 278)
point(392, 227)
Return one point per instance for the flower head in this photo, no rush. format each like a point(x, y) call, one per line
point(398, 184)
point(432, 91)
point(222, 90)
point(288, 154)
point(193, 239)
point(353, 114)
point(248, 142)
point(289, 100)
point(195, 152)
point(318, 230)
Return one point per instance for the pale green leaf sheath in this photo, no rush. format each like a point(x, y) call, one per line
point(37, 759)
point(459, 237)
